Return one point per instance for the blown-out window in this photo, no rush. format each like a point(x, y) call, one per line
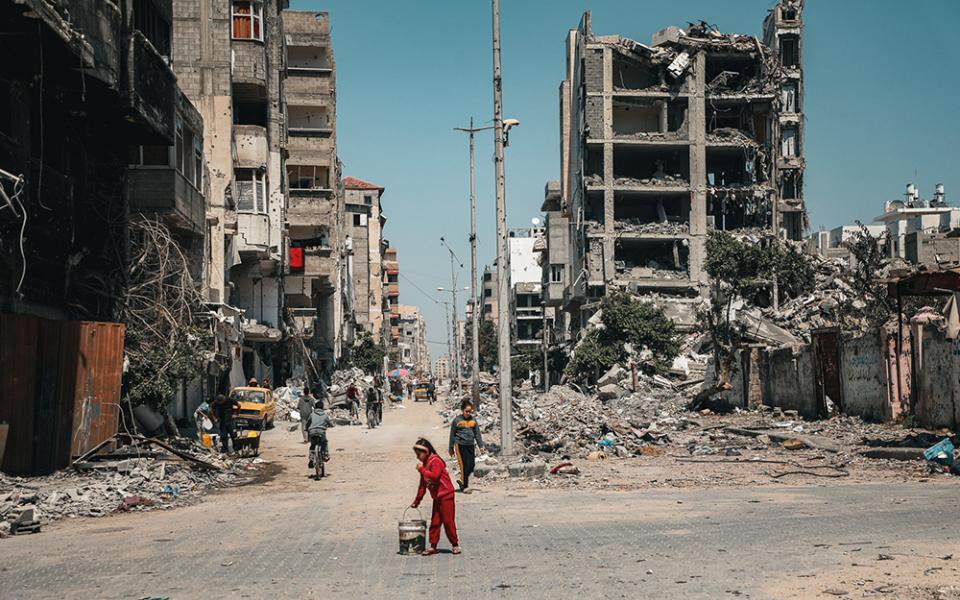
point(247, 20)
point(251, 186)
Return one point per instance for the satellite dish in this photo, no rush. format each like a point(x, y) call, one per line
point(535, 221)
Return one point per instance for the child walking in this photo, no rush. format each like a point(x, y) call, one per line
point(465, 440)
point(434, 477)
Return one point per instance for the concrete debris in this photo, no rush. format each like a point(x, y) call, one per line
point(158, 479)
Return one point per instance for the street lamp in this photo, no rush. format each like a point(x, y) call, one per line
point(475, 317)
point(455, 322)
point(456, 333)
point(503, 250)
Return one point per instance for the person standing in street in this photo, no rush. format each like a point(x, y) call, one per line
point(465, 440)
point(224, 411)
point(434, 477)
point(305, 407)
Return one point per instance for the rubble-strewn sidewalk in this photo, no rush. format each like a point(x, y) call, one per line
point(627, 439)
point(157, 479)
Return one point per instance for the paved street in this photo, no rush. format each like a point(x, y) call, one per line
point(291, 537)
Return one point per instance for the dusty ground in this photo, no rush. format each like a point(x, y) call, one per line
point(288, 536)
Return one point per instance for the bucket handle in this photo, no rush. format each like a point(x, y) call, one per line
point(404, 516)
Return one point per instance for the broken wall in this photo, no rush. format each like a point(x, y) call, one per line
point(864, 382)
point(938, 380)
point(788, 380)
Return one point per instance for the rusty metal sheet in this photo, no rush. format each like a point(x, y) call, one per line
point(18, 356)
point(96, 395)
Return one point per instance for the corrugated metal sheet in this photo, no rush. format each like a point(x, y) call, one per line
point(99, 365)
point(60, 389)
point(19, 338)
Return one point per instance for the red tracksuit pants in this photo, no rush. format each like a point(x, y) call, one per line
point(444, 513)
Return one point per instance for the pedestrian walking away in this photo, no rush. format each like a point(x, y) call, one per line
point(317, 427)
point(373, 409)
point(305, 407)
point(353, 398)
point(224, 411)
point(465, 440)
point(434, 477)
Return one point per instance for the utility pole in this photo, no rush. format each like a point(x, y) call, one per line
point(546, 347)
point(446, 309)
point(475, 317)
point(456, 323)
point(503, 251)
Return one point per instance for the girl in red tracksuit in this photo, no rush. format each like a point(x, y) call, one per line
point(434, 477)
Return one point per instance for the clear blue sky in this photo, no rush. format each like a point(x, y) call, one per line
point(882, 107)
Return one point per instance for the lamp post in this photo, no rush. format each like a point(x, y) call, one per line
point(501, 129)
point(475, 318)
point(545, 335)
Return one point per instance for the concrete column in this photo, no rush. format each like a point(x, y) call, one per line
point(698, 169)
point(609, 272)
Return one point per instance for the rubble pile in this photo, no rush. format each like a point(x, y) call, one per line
point(634, 225)
point(286, 397)
point(95, 489)
point(818, 308)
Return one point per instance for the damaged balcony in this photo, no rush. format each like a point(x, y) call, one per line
point(309, 60)
point(650, 216)
point(649, 120)
point(652, 263)
point(149, 94)
point(309, 120)
point(645, 167)
point(308, 209)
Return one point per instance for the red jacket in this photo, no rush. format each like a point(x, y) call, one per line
point(434, 477)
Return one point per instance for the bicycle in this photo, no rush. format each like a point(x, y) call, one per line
point(319, 462)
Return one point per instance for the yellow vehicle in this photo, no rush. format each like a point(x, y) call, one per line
point(257, 408)
point(421, 392)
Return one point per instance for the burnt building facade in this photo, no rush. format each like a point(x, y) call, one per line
point(91, 79)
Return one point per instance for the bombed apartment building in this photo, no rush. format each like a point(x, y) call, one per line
point(661, 143)
point(365, 222)
point(319, 282)
point(86, 99)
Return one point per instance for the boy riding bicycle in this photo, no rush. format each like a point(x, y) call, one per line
point(317, 426)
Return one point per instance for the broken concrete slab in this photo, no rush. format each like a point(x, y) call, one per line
point(811, 441)
point(611, 392)
point(615, 375)
point(485, 470)
point(536, 468)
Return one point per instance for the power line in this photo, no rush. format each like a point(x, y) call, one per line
point(418, 288)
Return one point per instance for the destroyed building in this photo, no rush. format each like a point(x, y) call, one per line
point(391, 290)
point(412, 344)
point(662, 143)
point(86, 86)
point(319, 236)
point(365, 222)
